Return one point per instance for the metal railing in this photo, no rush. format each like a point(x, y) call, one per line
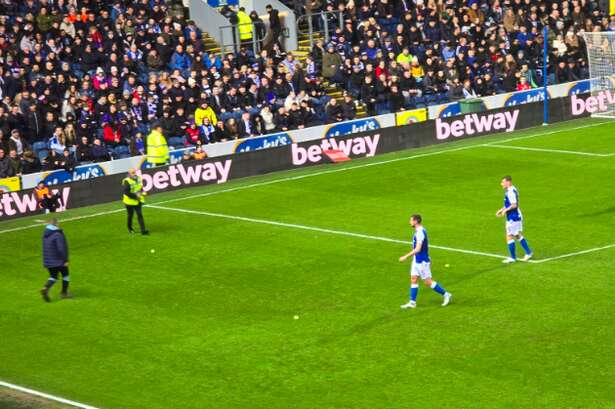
point(231, 41)
point(323, 23)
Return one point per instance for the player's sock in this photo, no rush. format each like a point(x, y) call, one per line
point(526, 247)
point(65, 282)
point(436, 287)
point(414, 291)
point(512, 249)
point(50, 283)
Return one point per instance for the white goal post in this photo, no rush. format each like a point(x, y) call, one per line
point(601, 59)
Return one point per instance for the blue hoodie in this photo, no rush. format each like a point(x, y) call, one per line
point(55, 248)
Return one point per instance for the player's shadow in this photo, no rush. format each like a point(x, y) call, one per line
point(474, 274)
point(602, 212)
point(398, 315)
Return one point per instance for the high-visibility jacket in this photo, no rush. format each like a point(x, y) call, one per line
point(200, 114)
point(157, 148)
point(136, 186)
point(245, 26)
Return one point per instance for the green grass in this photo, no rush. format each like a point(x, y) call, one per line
point(207, 320)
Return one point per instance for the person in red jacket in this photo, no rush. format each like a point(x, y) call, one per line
point(523, 85)
point(193, 135)
point(111, 134)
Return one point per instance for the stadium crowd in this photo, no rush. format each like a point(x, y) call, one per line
point(85, 80)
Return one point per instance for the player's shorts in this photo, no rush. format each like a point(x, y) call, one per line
point(514, 227)
point(422, 270)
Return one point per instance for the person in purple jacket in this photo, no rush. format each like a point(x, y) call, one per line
point(55, 259)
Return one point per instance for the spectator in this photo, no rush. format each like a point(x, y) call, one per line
point(30, 163)
point(208, 131)
point(193, 135)
point(205, 111)
point(84, 150)
point(245, 126)
point(15, 163)
point(6, 170)
point(221, 134)
point(68, 161)
point(275, 25)
point(99, 151)
point(522, 85)
point(349, 110)
point(137, 144)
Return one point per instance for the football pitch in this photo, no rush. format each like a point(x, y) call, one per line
point(283, 291)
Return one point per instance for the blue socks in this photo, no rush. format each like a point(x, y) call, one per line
point(526, 247)
point(436, 287)
point(512, 250)
point(414, 291)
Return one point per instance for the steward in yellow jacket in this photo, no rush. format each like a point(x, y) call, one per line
point(157, 148)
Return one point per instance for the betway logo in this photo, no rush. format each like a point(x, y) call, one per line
point(590, 105)
point(180, 175)
point(475, 123)
point(21, 203)
point(362, 145)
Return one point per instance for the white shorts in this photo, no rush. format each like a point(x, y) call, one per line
point(513, 228)
point(422, 270)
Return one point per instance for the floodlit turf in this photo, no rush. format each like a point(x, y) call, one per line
point(207, 321)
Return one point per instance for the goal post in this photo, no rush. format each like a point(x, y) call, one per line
point(601, 60)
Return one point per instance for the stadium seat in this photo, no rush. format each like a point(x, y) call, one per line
point(176, 142)
point(121, 151)
point(42, 154)
point(39, 146)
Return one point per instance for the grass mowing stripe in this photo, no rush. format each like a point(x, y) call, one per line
point(46, 396)
point(527, 148)
point(320, 229)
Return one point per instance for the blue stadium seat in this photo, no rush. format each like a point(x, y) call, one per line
point(42, 154)
point(39, 146)
point(420, 102)
point(176, 142)
point(121, 151)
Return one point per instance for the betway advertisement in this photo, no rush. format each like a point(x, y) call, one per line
point(477, 124)
point(586, 104)
point(325, 151)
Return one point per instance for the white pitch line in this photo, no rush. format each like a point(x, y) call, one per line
point(46, 396)
point(578, 253)
point(527, 148)
point(318, 229)
point(518, 138)
point(69, 219)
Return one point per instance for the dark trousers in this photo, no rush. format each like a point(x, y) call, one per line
point(131, 211)
point(54, 272)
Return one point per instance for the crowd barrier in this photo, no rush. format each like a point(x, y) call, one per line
point(296, 136)
point(366, 143)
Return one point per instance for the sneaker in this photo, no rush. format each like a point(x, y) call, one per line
point(66, 295)
point(145, 232)
point(45, 294)
point(527, 257)
point(508, 260)
point(131, 231)
point(410, 304)
point(447, 299)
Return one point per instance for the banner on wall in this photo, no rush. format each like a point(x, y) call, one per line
point(411, 117)
point(10, 184)
point(307, 153)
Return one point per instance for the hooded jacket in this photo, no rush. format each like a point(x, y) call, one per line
point(55, 248)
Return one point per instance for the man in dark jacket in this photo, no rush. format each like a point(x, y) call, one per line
point(55, 259)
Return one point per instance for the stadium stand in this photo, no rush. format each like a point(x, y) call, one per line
point(83, 80)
